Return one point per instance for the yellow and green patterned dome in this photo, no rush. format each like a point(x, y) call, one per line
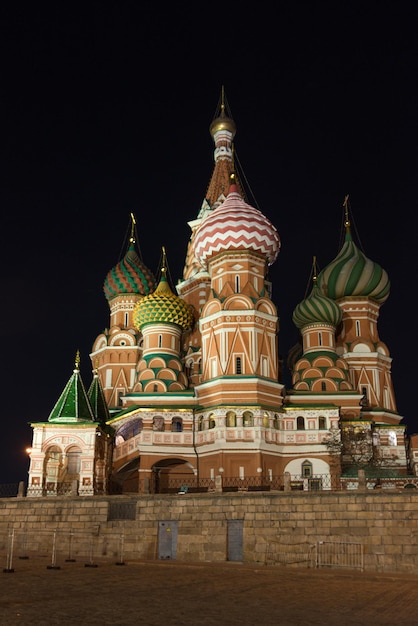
point(163, 306)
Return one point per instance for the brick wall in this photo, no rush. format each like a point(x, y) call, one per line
point(282, 528)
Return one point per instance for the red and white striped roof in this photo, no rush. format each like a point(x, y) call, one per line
point(235, 225)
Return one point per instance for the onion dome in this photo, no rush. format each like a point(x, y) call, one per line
point(130, 275)
point(351, 273)
point(235, 225)
point(317, 308)
point(163, 306)
point(223, 122)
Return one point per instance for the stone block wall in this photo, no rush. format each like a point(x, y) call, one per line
point(277, 528)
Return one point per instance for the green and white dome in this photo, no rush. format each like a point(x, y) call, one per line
point(352, 274)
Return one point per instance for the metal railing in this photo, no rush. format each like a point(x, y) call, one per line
point(166, 483)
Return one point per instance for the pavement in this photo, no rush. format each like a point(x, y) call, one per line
point(173, 593)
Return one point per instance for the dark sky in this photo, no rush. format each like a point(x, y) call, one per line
point(105, 110)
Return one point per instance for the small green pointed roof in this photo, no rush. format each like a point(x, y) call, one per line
point(73, 404)
point(97, 399)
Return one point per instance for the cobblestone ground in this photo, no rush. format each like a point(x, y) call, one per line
point(172, 593)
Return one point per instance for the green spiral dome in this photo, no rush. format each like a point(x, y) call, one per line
point(351, 273)
point(163, 306)
point(316, 308)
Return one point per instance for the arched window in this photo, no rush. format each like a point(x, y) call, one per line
point(212, 422)
point(176, 425)
point(247, 418)
point(300, 423)
point(201, 422)
point(237, 285)
point(231, 419)
point(73, 461)
point(158, 424)
point(129, 430)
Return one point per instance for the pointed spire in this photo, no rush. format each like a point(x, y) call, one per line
point(97, 398)
point(73, 405)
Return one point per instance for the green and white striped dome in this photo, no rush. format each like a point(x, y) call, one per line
point(352, 274)
point(316, 308)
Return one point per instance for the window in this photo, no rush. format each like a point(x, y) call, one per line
point(247, 419)
point(364, 401)
point(323, 386)
point(358, 328)
point(160, 341)
point(238, 365)
point(237, 284)
point(322, 423)
point(231, 419)
point(300, 423)
point(392, 438)
point(307, 469)
point(176, 425)
point(74, 458)
point(158, 424)
point(319, 339)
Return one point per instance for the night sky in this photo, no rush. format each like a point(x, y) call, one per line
point(106, 108)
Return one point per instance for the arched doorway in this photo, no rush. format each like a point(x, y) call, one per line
point(171, 475)
point(125, 479)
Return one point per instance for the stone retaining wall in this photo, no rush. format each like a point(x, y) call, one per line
point(281, 528)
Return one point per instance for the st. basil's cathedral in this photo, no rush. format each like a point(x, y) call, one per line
point(187, 390)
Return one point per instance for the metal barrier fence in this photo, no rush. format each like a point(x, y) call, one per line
point(340, 554)
point(58, 546)
point(320, 554)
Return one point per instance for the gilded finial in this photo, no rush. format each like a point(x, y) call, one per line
point(96, 366)
point(346, 218)
point(314, 270)
point(164, 262)
point(77, 360)
point(222, 99)
point(133, 224)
